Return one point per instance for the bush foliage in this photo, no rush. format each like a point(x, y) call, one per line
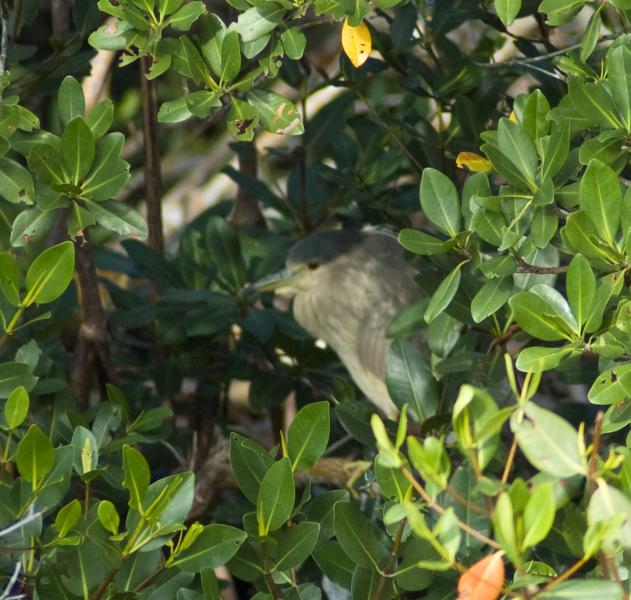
point(508, 472)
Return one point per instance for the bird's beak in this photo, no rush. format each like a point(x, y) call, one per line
point(281, 282)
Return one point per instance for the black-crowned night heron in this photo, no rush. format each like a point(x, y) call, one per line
point(347, 287)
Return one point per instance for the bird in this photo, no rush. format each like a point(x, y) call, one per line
point(347, 286)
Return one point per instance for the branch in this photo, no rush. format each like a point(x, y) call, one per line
point(92, 343)
point(4, 42)
point(246, 211)
point(525, 267)
point(153, 179)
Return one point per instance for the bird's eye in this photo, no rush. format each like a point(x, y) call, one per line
point(313, 265)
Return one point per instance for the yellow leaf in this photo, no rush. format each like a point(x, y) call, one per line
point(474, 162)
point(356, 42)
point(512, 117)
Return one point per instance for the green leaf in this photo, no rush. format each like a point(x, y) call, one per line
point(276, 497)
point(537, 317)
point(583, 238)
point(590, 39)
point(593, 102)
point(77, 147)
point(108, 516)
point(85, 455)
point(555, 149)
point(225, 251)
point(601, 199)
point(619, 79)
point(277, 114)
point(50, 274)
point(193, 59)
point(34, 456)
point(410, 381)
point(534, 115)
point(174, 111)
point(45, 161)
point(308, 435)
point(549, 442)
point(30, 226)
point(507, 10)
point(79, 220)
point(606, 504)
point(16, 183)
point(491, 297)
point(13, 375)
point(109, 172)
point(67, 517)
point(213, 547)
point(360, 539)
point(294, 42)
point(419, 242)
point(504, 527)
point(16, 407)
point(119, 217)
point(230, 57)
point(516, 144)
point(443, 295)
point(257, 22)
point(137, 476)
point(611, 386)
point(539, 515)
point(249, 462)
point(503, 165)
point(70, 100)
point(167, 7)
point(295, 544)
point(242, 120)
point(583, 589)
point(100, 118)
point(473, 411)
point(184, 17)
point(581, 287)
point(212, 34)
point(538, 358)
point(334, 563)
point(439, 201)
point(202, 102)
point(10, 278)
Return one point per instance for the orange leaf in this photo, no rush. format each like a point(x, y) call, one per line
point(474, 162)
point(357, 43)
point(483, 580)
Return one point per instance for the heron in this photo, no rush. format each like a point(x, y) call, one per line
point(347, 286)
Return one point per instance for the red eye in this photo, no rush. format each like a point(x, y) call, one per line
point(312, 266)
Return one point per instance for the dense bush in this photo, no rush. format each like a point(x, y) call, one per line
point(508, 472)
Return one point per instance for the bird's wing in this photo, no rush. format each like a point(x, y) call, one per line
point(372, 345)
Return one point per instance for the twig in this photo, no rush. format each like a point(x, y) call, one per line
point(439, 509)
point(593, 459)
point(98, 594)
point(153, 178)
point(565, 575)
point(525, 267)
point(391, 561)
point(541, 57)
point(504, 337)
point(509, 462)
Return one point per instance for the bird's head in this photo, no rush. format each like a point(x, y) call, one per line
point(311, 262)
